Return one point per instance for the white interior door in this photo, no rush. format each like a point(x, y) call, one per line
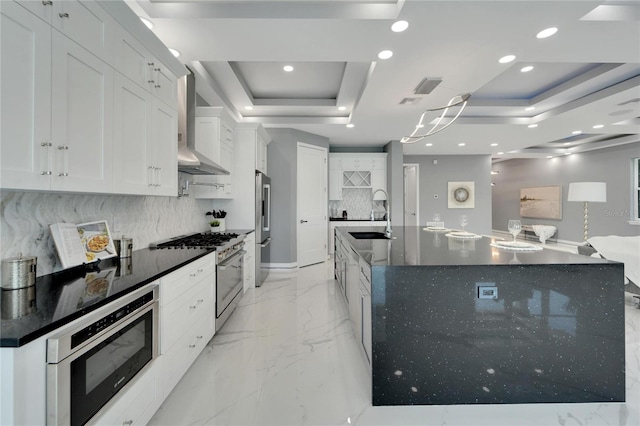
point(411, 194)
point(312, 204)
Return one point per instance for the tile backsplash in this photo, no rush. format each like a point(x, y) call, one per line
point(356, 201)
point(26, 216)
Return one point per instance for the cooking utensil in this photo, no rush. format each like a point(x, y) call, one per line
point(124, 246)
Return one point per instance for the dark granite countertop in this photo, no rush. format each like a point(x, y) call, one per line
point(417, 246)
point(61, 297)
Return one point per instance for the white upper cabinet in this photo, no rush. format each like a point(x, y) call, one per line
point(357, 170)
point(132, 141)
point(215, 140)
point(63, 102)
point(25, 84)
point(87, 24)
point(82, 118)
point(165, 149)
point(261, 154)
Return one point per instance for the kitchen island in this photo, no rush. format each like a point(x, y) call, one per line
point(459, 321)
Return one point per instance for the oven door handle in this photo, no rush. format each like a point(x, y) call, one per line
point(223, 265)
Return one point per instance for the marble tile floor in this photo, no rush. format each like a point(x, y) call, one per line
point(288, 356)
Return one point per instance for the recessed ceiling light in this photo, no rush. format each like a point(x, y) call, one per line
point(147, 22)
point(547, 32)
point(506, 59)
point(349, 125)
point(420, 126)
point(576, 132)
point(342, 108)
point(532, 126)
point(399, 26)
point(461, 144)
point(549, 156)
point(385, 54)
point(598, 126)
point(500, 153)
point(526, 69)
point(287, 68)
point(429, 144)
point(174, 52)
point(248, 107)
point(494, 144)
point(529, 108)
point(567, 143)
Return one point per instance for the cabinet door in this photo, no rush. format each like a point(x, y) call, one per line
point(132, 59)
point(261, 154)
point(82, 118)
point(43, 9)
point(335, 184)
point(87, 24)
point(365, 320)
point(132, 164)
point(379, 181)
point(25, 84)
point(165, 149)
point(164, 84)
point(207, 137)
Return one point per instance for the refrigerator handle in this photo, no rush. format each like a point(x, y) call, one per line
point(265, 242)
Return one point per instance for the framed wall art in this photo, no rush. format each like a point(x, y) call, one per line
point(461, 195)
point(543, 202)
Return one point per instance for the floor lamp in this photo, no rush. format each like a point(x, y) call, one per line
point(595, 192)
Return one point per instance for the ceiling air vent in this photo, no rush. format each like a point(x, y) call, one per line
point(631, 101)
point(409, 101)
point(427, 85)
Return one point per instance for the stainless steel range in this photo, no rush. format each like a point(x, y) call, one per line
point(229, 269)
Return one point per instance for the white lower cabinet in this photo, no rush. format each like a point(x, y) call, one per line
point(139, 402)
point(187, 317)
point(249, 260)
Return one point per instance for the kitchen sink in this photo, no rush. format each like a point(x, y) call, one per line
point(369, 235)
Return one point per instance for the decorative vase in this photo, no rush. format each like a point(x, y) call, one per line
point(215, 229)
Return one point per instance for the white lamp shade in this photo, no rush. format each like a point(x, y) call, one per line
point(588, 191)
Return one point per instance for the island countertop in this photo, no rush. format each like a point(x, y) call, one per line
point(412, 245)
point(454, 321)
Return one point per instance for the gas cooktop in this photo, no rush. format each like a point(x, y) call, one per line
point(203, 240)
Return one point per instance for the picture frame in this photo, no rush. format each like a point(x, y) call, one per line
point(541, 202)
point(461, 195)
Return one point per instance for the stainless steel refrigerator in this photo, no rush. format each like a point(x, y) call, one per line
point(263, 227)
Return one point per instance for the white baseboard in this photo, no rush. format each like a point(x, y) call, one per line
point(291, 265)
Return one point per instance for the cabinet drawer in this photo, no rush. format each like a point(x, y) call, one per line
point(178, 317)
point(178, 282)
point(181, 356)
point(136, 404)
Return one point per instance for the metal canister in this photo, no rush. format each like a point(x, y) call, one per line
point(18, 272)
point(18, 303)
point(124, 246)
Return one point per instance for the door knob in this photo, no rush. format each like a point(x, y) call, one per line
point(303, 221)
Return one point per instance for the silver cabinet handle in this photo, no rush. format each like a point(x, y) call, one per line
point(192, 307)
point(63, 15)
point(157, 86)
point(199, 337)
point(127, 423)
point(303, 221)
point(150, 64)
point(156, 69)
point(47, 145)
point(65, 160)
point(192, 346)
point(151, 81)
point(47, 2)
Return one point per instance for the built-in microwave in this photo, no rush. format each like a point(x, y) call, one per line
point(89, 363)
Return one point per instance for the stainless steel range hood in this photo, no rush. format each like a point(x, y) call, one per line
point(189, 159)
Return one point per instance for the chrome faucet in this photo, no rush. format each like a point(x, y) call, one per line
point(388, 230)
